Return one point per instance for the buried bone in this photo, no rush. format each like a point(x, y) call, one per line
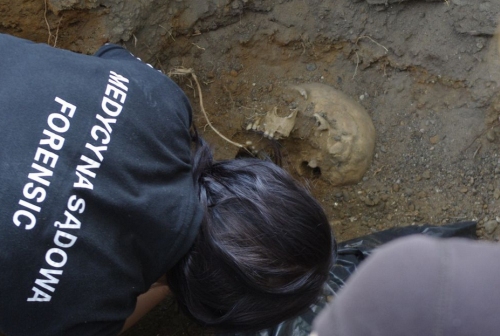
point(274, 126)
point(336, 134)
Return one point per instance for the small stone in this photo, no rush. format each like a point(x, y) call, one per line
point(235, 4)
point(336, 223)
point(384, 197)
point(346, 195)
point(490, 226)
point(496, 193)
point(426, 174)
point(464, 190)
point(422, 194)
point(485, 6)
point(411, 207)
point(311, 67)
point(490, 135)
point(371, 201)
point(395, 187)
point(233, 73)
point(434, 139)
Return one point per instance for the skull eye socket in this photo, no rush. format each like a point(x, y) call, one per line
point(308, 171)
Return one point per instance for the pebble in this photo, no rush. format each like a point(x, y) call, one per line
point(395, 187)
point(426, 174)
point(434, 139)
point(464, 190)
point(346, 195)
point(490, 135)
point(485, 6)
point(336, 223)
point(422, 194)
point(371, 201)
point(311, 67)
point(496, 193)
point(233, 73)
point(490, 226)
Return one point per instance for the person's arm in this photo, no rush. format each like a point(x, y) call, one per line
point(147, 301)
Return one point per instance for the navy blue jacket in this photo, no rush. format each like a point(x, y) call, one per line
point(96, 191)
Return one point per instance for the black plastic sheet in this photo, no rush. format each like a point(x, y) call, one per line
point(349, 255)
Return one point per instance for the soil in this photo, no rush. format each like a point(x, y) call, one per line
point(427, 72)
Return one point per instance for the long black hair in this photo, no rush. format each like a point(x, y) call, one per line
point(263, 251)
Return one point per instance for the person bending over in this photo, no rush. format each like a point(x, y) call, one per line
point(102, 197)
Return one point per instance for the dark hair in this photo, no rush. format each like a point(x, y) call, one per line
point(263, 251)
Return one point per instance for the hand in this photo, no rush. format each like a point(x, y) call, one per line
point(147, 301)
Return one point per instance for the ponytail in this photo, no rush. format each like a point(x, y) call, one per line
point(264, 247)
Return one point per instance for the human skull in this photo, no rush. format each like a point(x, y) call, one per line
point(337, 136)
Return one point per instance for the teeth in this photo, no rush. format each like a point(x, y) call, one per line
point(256, 124)
point(273, 126)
